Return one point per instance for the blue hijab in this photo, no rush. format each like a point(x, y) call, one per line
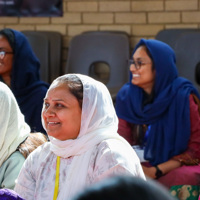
point(169, 113)
point(26, 85)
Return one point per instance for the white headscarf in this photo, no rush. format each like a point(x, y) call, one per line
point(98, 122)
point(13, 129)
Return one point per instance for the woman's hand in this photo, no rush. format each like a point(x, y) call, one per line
point(149, 171)
point(164, 167)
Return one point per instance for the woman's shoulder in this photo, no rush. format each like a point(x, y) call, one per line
point(116, 149)
point(15, 155)
point(15, 158)
point(194, 99)
point(13, 163)
point(38, 156)
point(113, 156)
point(41, 150)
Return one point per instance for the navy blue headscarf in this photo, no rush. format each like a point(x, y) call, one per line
point(168, 114)
point(26, 85)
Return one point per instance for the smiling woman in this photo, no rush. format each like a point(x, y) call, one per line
point(79, 117)
point(61, 113)
point(143, 73)
point(6, 60)
point(159, 112)
point(20, 70)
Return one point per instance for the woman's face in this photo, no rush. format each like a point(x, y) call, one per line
point(7, 61)
point(144, 76)
point(61, 113)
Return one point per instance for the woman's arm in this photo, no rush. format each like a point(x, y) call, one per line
point(164, 167)
point(192, 155)
point(125, 130)
point(112, 157)
point(10, 170)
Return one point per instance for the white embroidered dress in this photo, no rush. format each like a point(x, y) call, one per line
point(98, 152)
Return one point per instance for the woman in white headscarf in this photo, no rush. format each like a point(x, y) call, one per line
point(84, 146)
point(13, 131)
point(16, 141)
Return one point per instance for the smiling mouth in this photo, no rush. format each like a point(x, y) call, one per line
point(135, 75)
point(52, 123)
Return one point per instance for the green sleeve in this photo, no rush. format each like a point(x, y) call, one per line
point(10, 169)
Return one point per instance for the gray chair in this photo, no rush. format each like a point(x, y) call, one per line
point(40, 46)
point(187, 49)
point(170, 36)
point(106, 32)
point(55, 45)
point(101, 55)
point(53, 65)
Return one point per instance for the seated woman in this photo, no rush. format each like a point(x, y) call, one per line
point(84, 147)
point(159, 111)
point(16, 139)
point(19, 69)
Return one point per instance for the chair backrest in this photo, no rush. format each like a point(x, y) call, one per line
point(55, 44)
point(40, 46)
point(101, 53)
point(187, 51)
point(54, 52)
point(170, 36)
point(106, 32)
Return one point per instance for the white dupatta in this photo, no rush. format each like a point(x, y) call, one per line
point(13, 128)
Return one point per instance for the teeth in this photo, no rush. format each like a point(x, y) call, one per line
point(52, 122)
point(136, 75)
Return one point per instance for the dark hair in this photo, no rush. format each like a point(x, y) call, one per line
point(31, 143)
point(74, 84)
point(8, 33)
point(126, 188)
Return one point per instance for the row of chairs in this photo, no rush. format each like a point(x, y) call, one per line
point(186, 44)
point(102, 55)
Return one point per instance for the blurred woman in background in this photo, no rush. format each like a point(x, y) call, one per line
point(19, 69)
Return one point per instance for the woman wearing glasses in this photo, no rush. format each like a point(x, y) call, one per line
point(19, 69)
point(158, 111)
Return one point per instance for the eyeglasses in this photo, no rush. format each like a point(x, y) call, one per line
point(138, 64)
point(3, 54)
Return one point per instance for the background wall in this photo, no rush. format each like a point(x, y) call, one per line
point(139, 18)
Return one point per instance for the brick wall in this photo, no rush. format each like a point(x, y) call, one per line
point(139, 18)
